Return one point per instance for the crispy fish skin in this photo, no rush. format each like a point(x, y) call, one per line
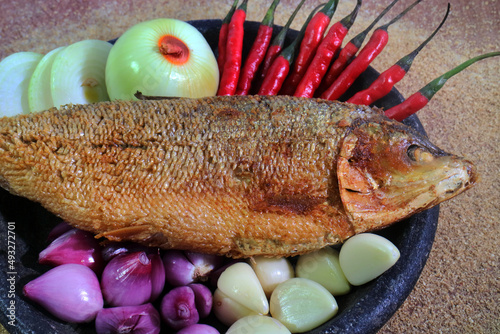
point(238, 176)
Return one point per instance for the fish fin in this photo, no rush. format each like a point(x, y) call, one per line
point(126, 233)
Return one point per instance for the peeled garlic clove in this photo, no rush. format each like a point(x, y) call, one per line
point(70, 292)
point(271, 271)
point(257, 324)
point(141, 319)
point(323, 267)
point(301, 304)
point(227, 310)
point(214, 275)
point(198, 329)
point(366, 256)
point(240, 283)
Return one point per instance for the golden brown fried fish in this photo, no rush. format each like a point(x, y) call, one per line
point(238, 176)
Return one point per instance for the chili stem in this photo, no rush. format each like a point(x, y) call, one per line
point(418, 100)
point(386, 80)
point(277, 44)
point(348, 51)
point(368, 53)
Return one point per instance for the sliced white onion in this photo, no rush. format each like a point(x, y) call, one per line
point(39, 94)
point(15, 74)
point(77, 74)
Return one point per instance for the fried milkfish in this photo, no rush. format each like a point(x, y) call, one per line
point(239, 176)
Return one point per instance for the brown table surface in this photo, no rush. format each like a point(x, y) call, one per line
point(459, 289)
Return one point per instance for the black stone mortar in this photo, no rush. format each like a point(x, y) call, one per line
point(363, 311)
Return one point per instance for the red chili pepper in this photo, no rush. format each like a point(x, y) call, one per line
point(324, 55)
point(221, 58)
point(348, 52)
point(234, 47)
point(313, 36)
point(281, 65)
point(370, 51)
point(418, 100)
point(277, 45)
point(386, 80)
point(257, 51)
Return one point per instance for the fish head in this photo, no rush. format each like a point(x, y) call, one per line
point(388, 171)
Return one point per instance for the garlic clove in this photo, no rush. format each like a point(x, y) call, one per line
point(227, 310)
point(198, 329)
point(140, 319)
point(240, 283)
point(366, 256)
point(271, 271)
point(323, 267)
point(214, 275)
point(70, 292)
point(302, 304)
point(257, 324)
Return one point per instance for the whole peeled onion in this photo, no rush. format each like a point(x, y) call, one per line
point(161, 57)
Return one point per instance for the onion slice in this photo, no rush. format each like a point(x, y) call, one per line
point(39, 94)
point(77, 74)
point(15, 74)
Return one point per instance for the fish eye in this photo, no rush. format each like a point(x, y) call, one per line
point(419, 154)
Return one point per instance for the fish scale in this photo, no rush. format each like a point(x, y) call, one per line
point(238, 176)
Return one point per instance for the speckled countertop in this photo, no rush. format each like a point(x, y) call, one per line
point(459, 290)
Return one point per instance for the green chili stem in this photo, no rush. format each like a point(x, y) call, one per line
point(359, 38)
point(330, 8)
point(403, 13)
point(280, 37)
point(227, 19)
point(406, 61)
point(269, 17)
point(432, 87)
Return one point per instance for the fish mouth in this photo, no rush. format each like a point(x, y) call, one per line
point(463, 176)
